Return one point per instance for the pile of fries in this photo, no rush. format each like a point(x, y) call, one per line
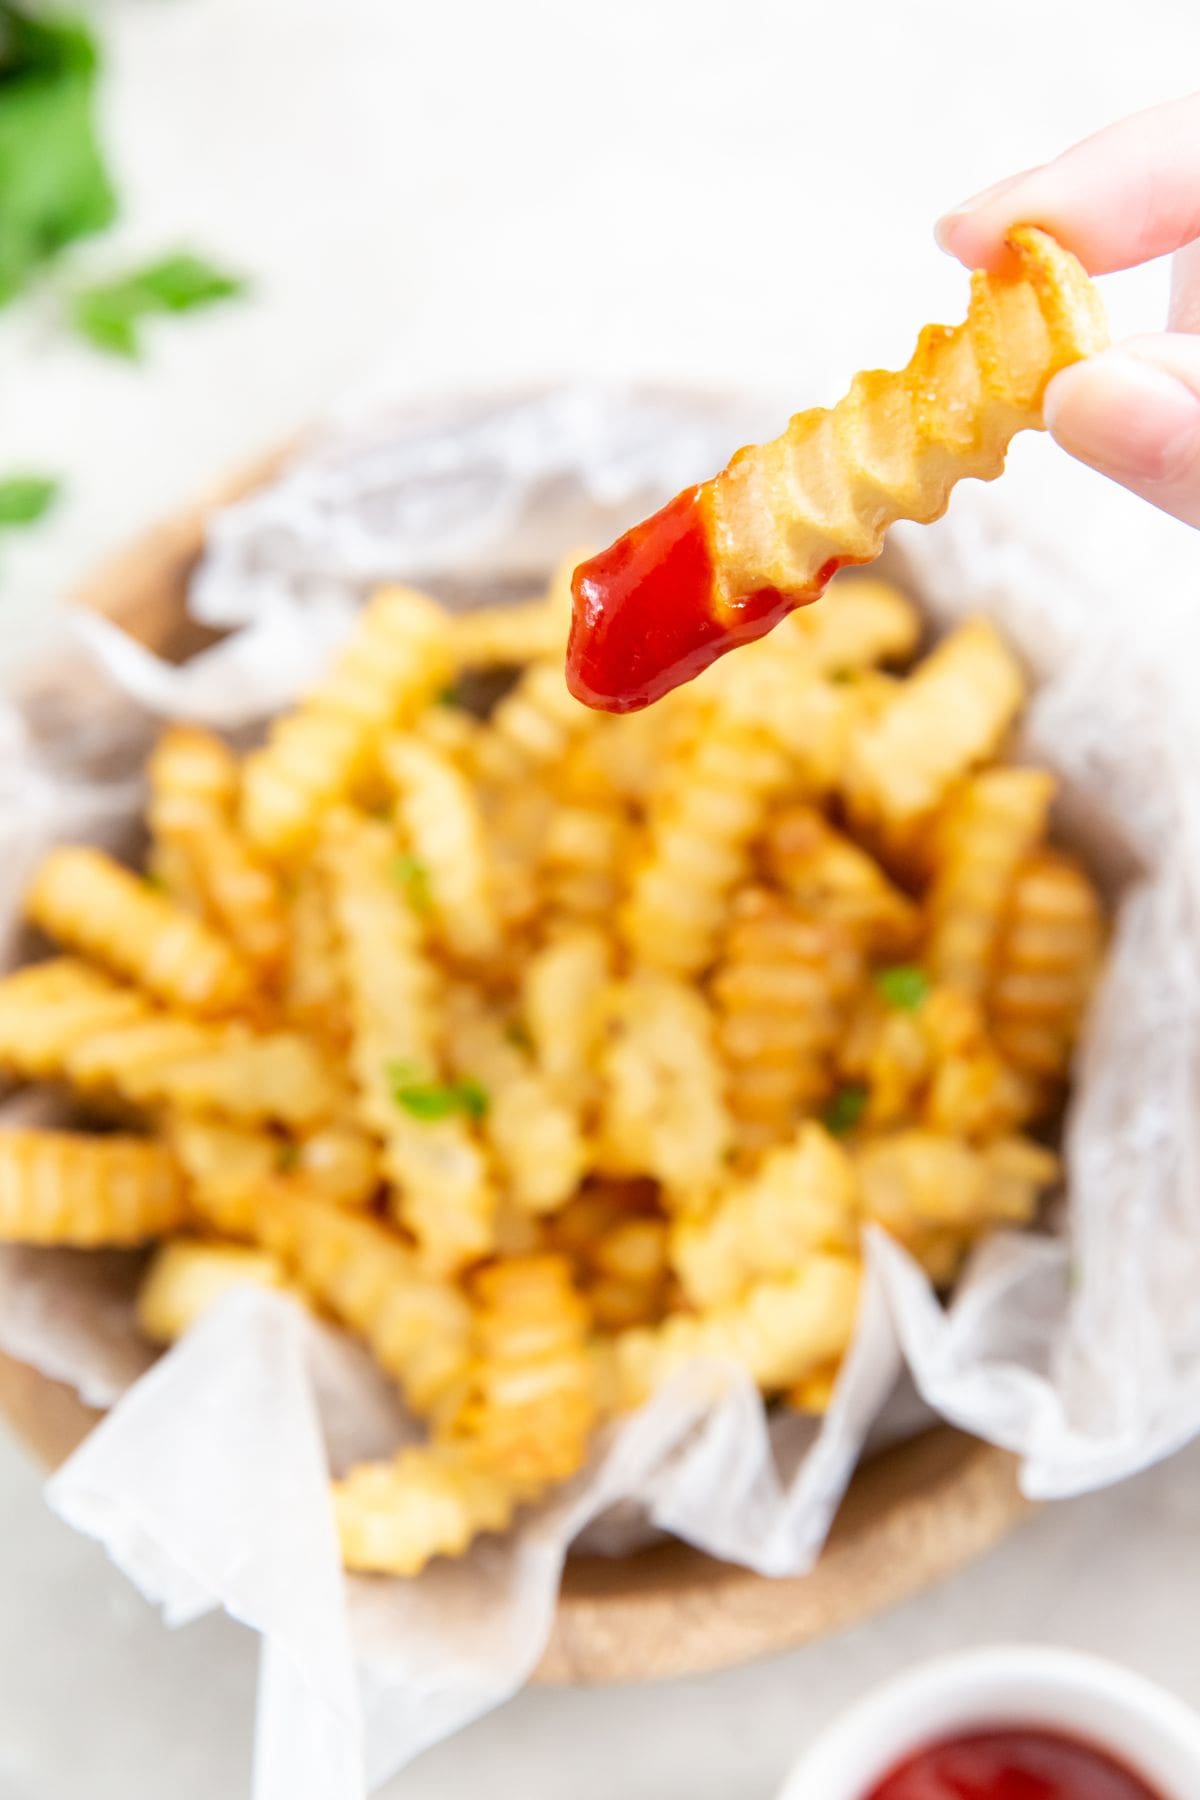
point(549, 1051)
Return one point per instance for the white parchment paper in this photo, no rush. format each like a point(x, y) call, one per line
point(207, 1480)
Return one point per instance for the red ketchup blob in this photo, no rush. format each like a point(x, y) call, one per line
point(646, 615)
point(1011, 1765)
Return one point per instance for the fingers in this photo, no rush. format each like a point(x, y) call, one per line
point(1184, 311)
point(1133, 413)
point(1123, 197)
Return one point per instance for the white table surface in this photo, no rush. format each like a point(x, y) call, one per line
point(480, 193)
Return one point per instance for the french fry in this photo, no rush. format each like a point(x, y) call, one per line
point(947, 718)
point(61, 1187)
point(535, 1136)
point(915, 1179)
point(991, 826)
point(102, 1038)
point(397, 659)
point(85, 900)
point(531, 1400)
point(448, 871)
point(782, 988)
point(532, 726)
point(803, 1197)
point(194, 780)
point(1047, 959)
point(563, 991)
point(443, 1191)
point(699, 846)
point(431, 1500)
point(832, 878)
point(663, 1111)
point(417, 1325)
point(779, 1331)
point(188, 1276)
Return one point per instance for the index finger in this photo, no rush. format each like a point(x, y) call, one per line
point(1122, 197)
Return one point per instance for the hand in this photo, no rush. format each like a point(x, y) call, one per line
point(1123, 197)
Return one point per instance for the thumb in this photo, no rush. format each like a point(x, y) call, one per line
point(1133, 413)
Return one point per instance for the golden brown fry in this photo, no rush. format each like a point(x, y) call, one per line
point(912, 1180)
point(431, 1500)
point(990, 827)
point(832, 878)
point(194, 783)
point(802, 1197)
point(448, 872)
point(61, 1187)
point(397, 659)
point(443, 1190)
point(663, 1111)
point(531, 1401)
point(313, 998)
point(893, 448)
point(532, 726)
point(564, 985)
point(188, 1276)
point(86, 900)
point(782, 988)
point(535, 1136)
point(56, 1022)
point(417, 1326)
point(698, 850)
point(1047, 961)
point(779, 1332)
point(947, 718)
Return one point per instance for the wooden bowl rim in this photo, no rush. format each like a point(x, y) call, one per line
point(911, 1516)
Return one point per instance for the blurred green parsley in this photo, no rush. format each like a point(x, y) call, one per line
point(905, 986)
point(54, 187)
point(110, 313)
point(24, 499)
point(845, 1109)
point(430, 1100)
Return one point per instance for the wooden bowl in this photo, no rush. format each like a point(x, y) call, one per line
point(913, 1514)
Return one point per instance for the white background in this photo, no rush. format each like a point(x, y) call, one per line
point(484, 192)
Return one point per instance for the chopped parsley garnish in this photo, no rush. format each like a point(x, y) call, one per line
point(843, 677)
point(24, 499)
point(410, 873)
point(517, 1034)
point(288, 1158)
point(449, 696)
point(845, 1109)
point(905, 986)
point(430, 1100)
point(53, 179)
point(110, 313)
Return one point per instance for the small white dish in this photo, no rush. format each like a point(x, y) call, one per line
point(1156, 1735)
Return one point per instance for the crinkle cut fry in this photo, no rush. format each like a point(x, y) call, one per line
point(431, 1500)
point(416, 1324)
point(779, 1331)
point(63, 1187)
point(829, 488)
point(63, 1021)
point(802, 1197)
point(531, 1401)
point(397, 659)
point(443, 829)
point(84, 899)
point(1047, 959)
point(443, 1189)
point(188, 1276)
point(194, 783)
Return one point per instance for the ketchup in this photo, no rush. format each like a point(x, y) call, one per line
point(1011, 1765)
point(647, 615)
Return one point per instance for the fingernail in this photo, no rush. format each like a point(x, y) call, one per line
point(946, 226)
point(1126, 417)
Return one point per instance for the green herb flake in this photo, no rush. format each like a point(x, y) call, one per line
point(905, 986)
point(410, 873)
point(54, 184)
point(153, 879)
point(517, 1034)
point(845, 1110)
point(24, 499)
point(449, 696)
point(844, 677)
point(288, 1158)
point(109, 314)
point(429, 1100)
